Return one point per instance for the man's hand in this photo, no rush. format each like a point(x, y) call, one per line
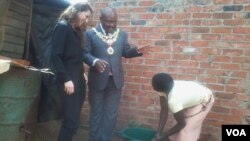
point(100, 65)
point(69, 87)
point(144, 49)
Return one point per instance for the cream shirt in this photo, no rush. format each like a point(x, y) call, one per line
point(187, 94)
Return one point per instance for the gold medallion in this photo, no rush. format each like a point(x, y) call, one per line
point(110, 51)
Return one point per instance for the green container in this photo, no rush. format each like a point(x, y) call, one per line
point(138, 134)
point(19, 90)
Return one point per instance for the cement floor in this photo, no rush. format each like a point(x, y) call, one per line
point(49, 131)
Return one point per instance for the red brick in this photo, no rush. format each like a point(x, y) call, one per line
point(200, 57)
point(188, 64)
point(137, 35)
point(132, 86)
point(215, 116)
point(200, 30)
point(232, 52)
point(239, 74)
point(134, 73)
point(155, 36)
point(146, 16)
point(153, 62)
point(247, 8)
point(223, 1)
point(223, 15)
point(215, 72)
point(123, 23)
point(221, 30)
point(180, 43)
point(164, 16)
point(138, 93)
point(234, 89)
point(241, 97)
point(187, 77)
point(247, 37)
point(220, 110)
point(146, 3)
point(125, 16)
point(172, 36)
point(232, 118)
point(202, 15)
point(242, 30)
point(233, 22)
point(180, 57)
point(161, 56)
point(230, 66)
point(180, 29)
point(233, 81)
point(162, 29)
point(191, 70)
point(241, 1)
point(136, 61)
point(128, 98)
point(239, 59)
point(121, 10)
point(211, 22)
point(211, 51)
point(221, 58)
point(148, 74)
point(182, 16)
point(228, 96)
point(195, 22)
point(173, 22)
point(146, 29)
point(155, 23)
point(100, 5)
point(129, 29)
point(211, 36)
point(138, 10)
point(145, 42)
point(145, 101)
point(212, 8)
point(207, 79)
point(233, 37)
point(199, 43)
point(195, 9)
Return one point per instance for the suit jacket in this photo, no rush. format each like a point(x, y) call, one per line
point(95, 48)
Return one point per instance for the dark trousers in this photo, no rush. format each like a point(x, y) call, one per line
point(72, 105)
point(104, 106)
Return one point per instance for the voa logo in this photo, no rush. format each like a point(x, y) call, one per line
point(236, 132)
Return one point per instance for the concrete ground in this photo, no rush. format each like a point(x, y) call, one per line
point(48, 131)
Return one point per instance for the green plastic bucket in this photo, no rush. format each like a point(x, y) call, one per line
point(138, 134)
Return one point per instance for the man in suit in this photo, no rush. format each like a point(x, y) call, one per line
point(104, 47)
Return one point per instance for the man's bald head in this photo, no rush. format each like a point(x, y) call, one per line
point(108, 11)
point(108, 19)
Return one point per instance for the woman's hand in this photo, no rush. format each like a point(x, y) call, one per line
point(69, 87)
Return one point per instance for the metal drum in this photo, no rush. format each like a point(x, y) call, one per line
point(19, 91)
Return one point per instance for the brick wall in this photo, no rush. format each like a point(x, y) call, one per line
point(201, 40)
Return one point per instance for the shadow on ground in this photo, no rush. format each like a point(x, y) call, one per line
point(48, 131)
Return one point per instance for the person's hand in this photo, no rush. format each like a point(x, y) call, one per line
point(100, 65)
point(69, 87)
point(158, 137)
point(144, 49)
